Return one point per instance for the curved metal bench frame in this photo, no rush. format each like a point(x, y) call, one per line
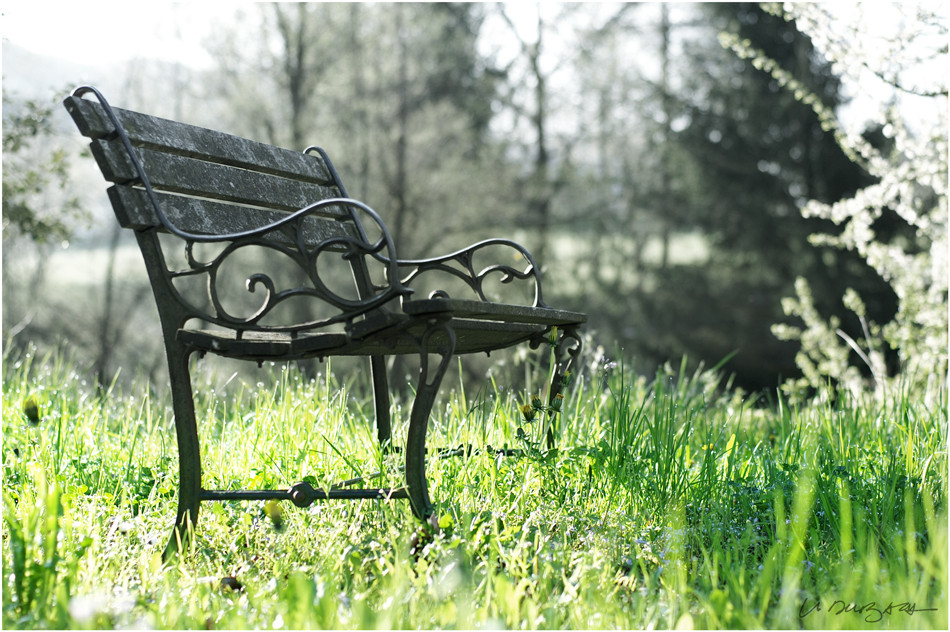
point(213, 190)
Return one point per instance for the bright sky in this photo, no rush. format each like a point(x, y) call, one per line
point(100, 32)
point(97, 32)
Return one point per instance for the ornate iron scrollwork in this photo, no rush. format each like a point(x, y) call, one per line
point(461, 265)
point(305, 258)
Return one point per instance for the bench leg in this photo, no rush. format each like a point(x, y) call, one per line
point(381, 399)
point(419, 418)
point(189, 456)
point(569, 343)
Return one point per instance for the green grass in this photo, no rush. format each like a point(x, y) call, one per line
point(669, 502)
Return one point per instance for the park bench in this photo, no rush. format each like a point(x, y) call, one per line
point(206, 206)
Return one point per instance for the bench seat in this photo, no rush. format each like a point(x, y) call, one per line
point(478, 327)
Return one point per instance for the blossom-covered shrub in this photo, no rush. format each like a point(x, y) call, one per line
point(900, 73)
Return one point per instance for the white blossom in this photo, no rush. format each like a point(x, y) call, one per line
point(903, 62)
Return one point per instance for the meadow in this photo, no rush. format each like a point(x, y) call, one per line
point(670, 502)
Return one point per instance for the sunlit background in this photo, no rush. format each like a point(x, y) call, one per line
point(648, 154)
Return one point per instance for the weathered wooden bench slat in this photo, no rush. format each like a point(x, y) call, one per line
point(134, 210)
point(179, 174)
point(461, 308)
point(197, 142)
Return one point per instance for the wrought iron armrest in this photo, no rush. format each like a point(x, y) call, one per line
point(305, 255)
point(461, 265)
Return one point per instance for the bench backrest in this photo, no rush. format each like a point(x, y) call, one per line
point(200, 184)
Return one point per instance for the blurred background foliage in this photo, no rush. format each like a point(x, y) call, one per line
point(653, 157)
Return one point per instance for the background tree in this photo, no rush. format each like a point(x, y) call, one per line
point(40, 211)
point(631, 207)
point(756, 153)
point(430, 103)
point(535, 107)
point(405, 87)
point(898, 223)
point(32, 173)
